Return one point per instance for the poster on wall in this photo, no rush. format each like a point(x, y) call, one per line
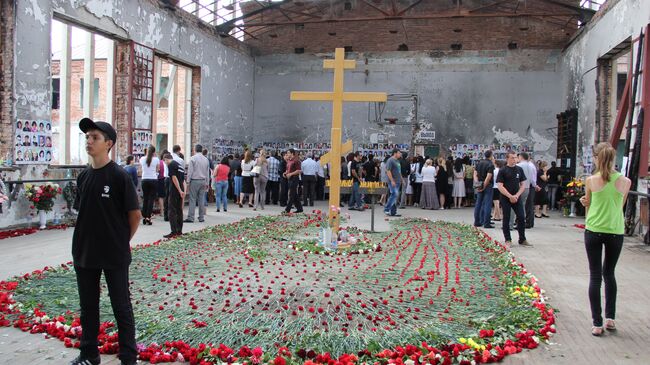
point(142, 99)
point(141, 140)
point(475, 152)
point(33, 142)
point(142, 114)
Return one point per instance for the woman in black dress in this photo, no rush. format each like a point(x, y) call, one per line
point(441, 181)
point(541, 196)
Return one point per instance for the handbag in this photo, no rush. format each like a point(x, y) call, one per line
point(256, 171)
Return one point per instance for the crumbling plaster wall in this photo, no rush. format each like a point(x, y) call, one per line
point(465, 97)
point(616, 22)
point(226, 100)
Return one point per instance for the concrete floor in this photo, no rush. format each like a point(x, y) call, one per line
point(557, 259)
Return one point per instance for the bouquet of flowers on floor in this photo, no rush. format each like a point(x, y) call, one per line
point(42, 196)
point(575, 189)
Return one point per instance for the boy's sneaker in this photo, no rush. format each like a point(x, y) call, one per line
point(525, 243)
point(82, 360)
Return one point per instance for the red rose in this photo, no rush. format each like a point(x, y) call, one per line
point(279, 361)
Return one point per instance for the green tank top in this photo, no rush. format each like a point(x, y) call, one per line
point(606, 209)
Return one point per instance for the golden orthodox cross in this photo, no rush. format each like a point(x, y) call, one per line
point(337, 97)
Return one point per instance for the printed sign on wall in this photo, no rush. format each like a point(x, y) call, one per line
point(141, 140)
point(33, 142)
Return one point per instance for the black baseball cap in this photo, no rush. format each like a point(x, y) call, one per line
point(87, 124)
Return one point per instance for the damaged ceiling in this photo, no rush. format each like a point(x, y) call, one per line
point(287, 26)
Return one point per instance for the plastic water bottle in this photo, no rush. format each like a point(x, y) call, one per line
point(56, 219)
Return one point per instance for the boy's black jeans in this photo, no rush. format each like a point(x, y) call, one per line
point(117, 280)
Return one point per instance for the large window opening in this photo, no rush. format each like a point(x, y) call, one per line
point(78, 55)
point(172, 101)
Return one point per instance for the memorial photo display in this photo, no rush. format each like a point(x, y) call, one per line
point(33, 142)
point(476, 152)
point(141, 140)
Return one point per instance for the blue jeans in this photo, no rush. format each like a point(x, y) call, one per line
point(483, 207)
point(391, 202)
point(220, 191)
point(238, 181)
point(552, 194)
point(355, 197)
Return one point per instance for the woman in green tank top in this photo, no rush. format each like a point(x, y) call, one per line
point(605, 195)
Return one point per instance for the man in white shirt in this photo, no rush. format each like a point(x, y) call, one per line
point(531, 175)
point(309, 169)
point(176, 155)
point(198, 179)
point(320, 184)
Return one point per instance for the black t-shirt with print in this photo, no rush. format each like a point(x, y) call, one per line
point(102, 232)
point(175, 169)
point(355, 166)
point(511, 177)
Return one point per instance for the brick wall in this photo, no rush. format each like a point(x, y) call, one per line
point(6, 76)
point(474, 33)
point(76, 103)
point(121, 104)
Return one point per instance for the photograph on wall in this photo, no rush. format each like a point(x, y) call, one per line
point(140, 141)
point(475, 152)
point(33, 142)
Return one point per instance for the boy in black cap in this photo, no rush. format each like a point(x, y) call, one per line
point(109, 215)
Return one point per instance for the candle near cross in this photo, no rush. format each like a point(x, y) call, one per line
point(337, 96)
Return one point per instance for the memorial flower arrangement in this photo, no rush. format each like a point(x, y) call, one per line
point(574, 190)
point(436, 293)
point(42, 196)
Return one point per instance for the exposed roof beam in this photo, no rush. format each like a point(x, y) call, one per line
point(401, 12)
point(495, 3)
point(568, 6)
point(302, 13)
point(226, 27)
point(377, 8)
point(431, 16)
point(393, 7)
point(584, 14)
point(285, 14)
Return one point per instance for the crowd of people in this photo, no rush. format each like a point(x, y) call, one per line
point(291, 179)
